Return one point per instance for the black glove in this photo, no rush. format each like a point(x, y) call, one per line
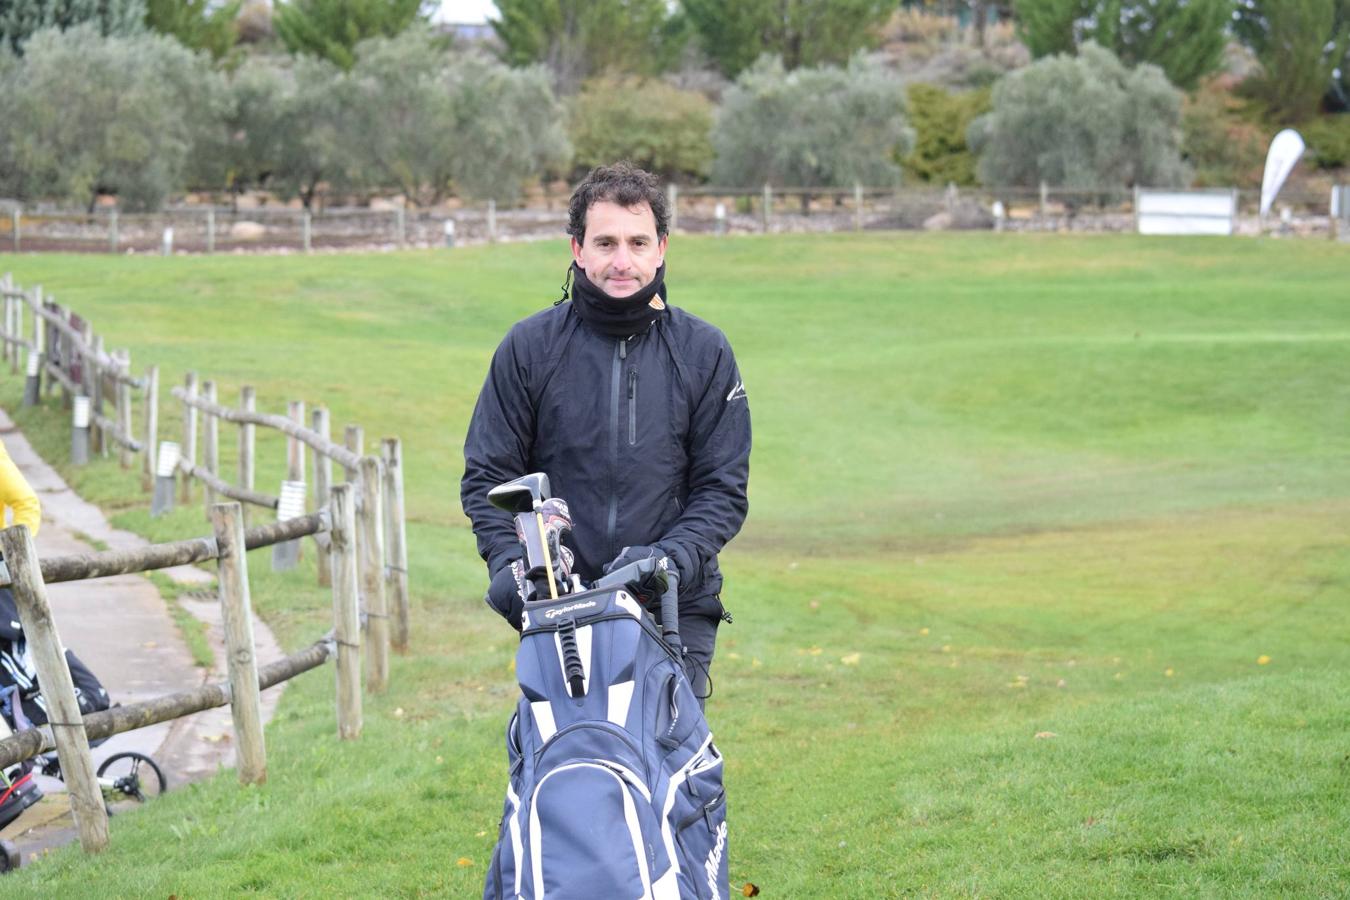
point(631, 555)
point(506, 593)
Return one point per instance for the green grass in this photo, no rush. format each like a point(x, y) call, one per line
point(1002, 487)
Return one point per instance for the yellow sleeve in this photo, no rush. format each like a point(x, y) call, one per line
point(17, 495)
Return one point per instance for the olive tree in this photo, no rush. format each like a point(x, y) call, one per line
point(1084, 121)
point(811, 127)
point(82, 114)
point(650, 123)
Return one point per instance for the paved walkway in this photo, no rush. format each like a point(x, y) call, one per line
point(122, 629)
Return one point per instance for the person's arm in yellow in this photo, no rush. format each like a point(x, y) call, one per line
point(16, 494)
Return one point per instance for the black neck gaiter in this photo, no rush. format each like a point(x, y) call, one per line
point(619, 317)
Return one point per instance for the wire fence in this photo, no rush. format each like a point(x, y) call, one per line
point(707, 210)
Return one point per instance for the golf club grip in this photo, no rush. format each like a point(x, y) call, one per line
point(670, 611)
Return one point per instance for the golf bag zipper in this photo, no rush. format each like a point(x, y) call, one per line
point(616, 373)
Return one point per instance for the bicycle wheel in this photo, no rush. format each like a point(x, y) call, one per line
point(129, 779)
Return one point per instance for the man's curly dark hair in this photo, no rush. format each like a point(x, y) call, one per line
point(622, 183)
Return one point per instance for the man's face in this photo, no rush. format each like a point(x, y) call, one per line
point(621, 252)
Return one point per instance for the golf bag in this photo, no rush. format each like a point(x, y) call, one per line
point(615, 786)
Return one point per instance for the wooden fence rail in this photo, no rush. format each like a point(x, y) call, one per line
point(69, 733)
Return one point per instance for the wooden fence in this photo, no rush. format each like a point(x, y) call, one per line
point(98, 387)
point(69, 733)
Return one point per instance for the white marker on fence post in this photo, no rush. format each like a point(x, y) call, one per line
point(492, 221)
point(166, 246)
point(396, 542)
point(857, 206)
point(346, 610)
point(370, 541)
point(720, 218)
point(305, 232)
point(237, 613)
point(766, 206)
point(210, 229)
point(63, 710)
point(151, 428)
point(448, 226)
point(79, 431)
point(165, 468)
point(210, 443)
point(189, 436)
point(124, 409)
point(323, 481)
point(32, 383)
point(1000, 213)
point(112, 230)
point(290, 505)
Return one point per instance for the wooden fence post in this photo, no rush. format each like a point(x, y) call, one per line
point(323, 480)
point(248, 400)
point(237, 611)
point(93, 388)
point(346, 610)
point(396, 543)
point(210, 442)
point(124, 409)
point(295, 450)
point(189, 455)
point(354, 438)
point(9, 351)
point(151, 428)
point(371, 544)
point(63, 710)
point(5, 285)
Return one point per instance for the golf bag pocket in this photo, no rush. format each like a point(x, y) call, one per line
point(696, 811)
point(618, 846)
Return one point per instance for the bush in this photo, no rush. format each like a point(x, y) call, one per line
point(821, 127)
point(658, 127)
point(1328, 140)
point(1221, 145)
point(1083, 122)
point(82, 114)
point(941, 120)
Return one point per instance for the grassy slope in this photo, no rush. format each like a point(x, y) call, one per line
point(1035, 484)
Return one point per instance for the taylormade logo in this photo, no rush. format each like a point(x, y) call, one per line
point(737, 393)
point(572, 607)
point(712, 867)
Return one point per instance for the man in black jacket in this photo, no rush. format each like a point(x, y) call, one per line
point(633, 408)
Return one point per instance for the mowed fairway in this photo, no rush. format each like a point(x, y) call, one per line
point(1043, 591)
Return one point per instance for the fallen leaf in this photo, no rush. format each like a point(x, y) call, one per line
point(1263, 660)
point(946, 648)
point(733, 656)
point(1061, 683)
point(398, 713)
point(150, 645)
point(750, 890)
point(439, 760)
point(815, 651)
point(1168, 673)
point(815, 604)
point(923, 631)
point(755, 663)
point(850, 659)
point(463, 861)
point(482, 834)
point(1042, 735)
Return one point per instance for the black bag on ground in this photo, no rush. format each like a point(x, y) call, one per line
point(17, 670)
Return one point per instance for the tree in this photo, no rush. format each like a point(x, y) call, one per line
point(577, 39)
point(88, 115)
point(800, 32)
point(1085, 122)
point(941, 154)
point(197, 24)
point(1301, 45)
point(20, 19)
point(332, 28)
point(649, 123)
point(814, 127)
point(1184, 37)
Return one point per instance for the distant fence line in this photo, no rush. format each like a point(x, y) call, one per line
point(704, 209)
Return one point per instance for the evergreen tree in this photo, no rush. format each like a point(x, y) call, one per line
point(19, 19)
point(1302, 46)
point(1184, 37)
point(332, 28)
point(576, 39)
point(800, 32)
point(195, 23)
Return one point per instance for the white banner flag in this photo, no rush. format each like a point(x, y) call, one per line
point(1285, 150)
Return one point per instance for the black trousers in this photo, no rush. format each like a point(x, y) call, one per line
point(699, 636)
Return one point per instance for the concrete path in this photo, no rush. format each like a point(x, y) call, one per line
point(122, 630)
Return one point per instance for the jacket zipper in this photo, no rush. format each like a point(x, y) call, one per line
point(620, 353)
point(632, 406)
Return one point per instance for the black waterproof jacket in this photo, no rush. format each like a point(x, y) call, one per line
point(647, 439)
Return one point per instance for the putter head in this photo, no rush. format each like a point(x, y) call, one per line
point(520, 494)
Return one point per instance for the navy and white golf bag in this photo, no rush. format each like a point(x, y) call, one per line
point(615, 785)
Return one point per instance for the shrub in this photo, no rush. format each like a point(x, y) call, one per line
point(1223, 146)
point(941, 120)
point(658, 127)
point(1328, 140)
point(1082, 121)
